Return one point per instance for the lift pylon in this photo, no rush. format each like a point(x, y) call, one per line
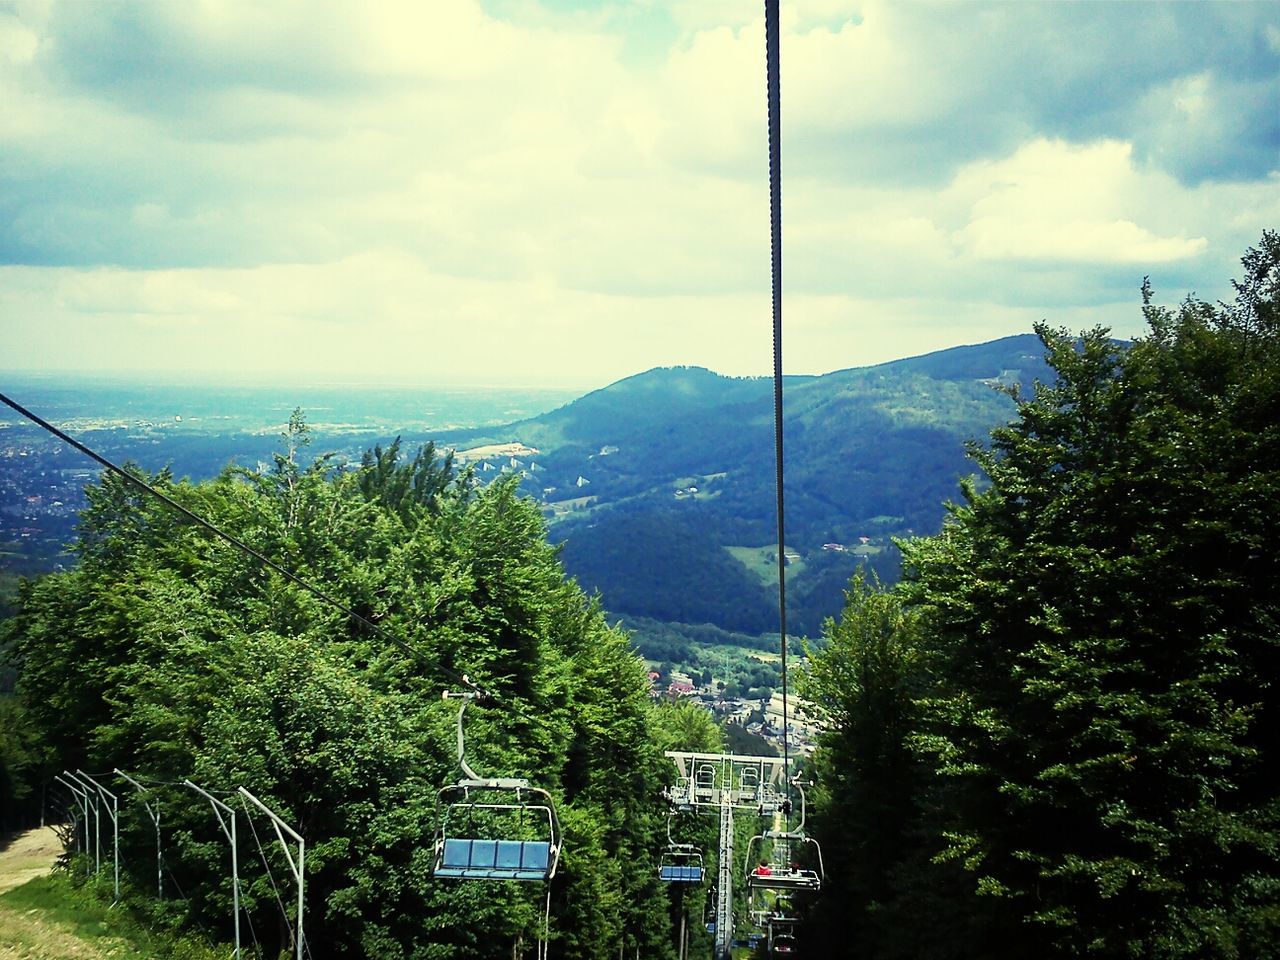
point(723, 783)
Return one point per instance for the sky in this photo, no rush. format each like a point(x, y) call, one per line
point(572, 192)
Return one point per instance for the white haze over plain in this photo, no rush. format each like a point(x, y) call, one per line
point(574, 192)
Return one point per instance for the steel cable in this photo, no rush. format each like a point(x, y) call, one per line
point(773, 83)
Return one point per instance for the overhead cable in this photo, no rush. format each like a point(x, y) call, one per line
point(771, 34)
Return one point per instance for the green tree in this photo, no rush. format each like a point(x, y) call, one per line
point(874, 802)
point(1101, 633)
point(1070, 695)
point(169, 654)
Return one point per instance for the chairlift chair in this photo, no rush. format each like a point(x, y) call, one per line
point(704, 784)
point(680, 862)
point(494, 828)
point(781, 937)
point(784, 873)
point(525, 810)
point(782, 945)
point(680, 794)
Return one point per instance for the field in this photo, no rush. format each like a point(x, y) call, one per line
point(763, 562)
point(44, 916)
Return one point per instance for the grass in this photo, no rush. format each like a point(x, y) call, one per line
point(763, 562)
point(52, 918)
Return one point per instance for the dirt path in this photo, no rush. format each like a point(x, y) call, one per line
point(27, 856)
point(44, 917)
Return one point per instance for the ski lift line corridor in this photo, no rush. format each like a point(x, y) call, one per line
point(724, 784)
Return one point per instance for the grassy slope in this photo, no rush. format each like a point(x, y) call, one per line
point(43, 916)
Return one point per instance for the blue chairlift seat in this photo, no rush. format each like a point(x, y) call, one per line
point(469, 859)
point(496, 802)
point(680, 873)
point(681, 863)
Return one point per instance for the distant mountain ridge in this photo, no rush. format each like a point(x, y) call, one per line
point(660, 486)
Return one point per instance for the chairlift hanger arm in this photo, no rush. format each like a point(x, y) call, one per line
point(466, 699)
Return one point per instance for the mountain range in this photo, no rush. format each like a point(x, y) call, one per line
point(661, 487)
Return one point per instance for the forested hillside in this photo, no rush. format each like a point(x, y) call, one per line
point(1057, 735)
point(658, 485)
point(171, 655)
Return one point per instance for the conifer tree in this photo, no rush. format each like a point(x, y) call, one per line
point(1093, 648)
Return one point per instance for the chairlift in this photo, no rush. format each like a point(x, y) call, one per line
point(781, 936)
point(782, 945)
point(704, 784)
point(764, 909)
point(782, 872)
point(680, 795)
point(494, 828)
point(680, 862)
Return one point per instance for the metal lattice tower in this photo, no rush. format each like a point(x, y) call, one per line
point(724, 885)
point(725, 782)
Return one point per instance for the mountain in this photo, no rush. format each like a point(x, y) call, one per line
point(661, 486)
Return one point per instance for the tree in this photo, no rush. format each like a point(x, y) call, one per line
point(1090, 647)
point(170, 655)
point(1101, 633)
point(874, 800)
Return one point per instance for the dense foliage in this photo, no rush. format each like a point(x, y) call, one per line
point(171, 655)
point(1052, 737)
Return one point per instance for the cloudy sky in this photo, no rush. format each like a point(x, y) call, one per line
point(570, 192)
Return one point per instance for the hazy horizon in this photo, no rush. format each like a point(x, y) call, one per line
point(293, 379)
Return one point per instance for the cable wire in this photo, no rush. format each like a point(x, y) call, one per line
point(244, 547)
point(270, 876)
point(773, 82)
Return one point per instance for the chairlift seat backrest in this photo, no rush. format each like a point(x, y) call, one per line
point(680, 873)
point(467, 859)
point(785, 880)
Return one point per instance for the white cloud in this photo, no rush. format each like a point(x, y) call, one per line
point(253, 185)
point(18, 43)
point(1058, 201)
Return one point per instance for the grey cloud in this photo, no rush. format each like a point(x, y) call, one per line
point(163, 57)
point(980, 76)
point(1232, 133)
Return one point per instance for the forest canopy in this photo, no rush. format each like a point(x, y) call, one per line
point(1056, 736)
point(171, 655)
